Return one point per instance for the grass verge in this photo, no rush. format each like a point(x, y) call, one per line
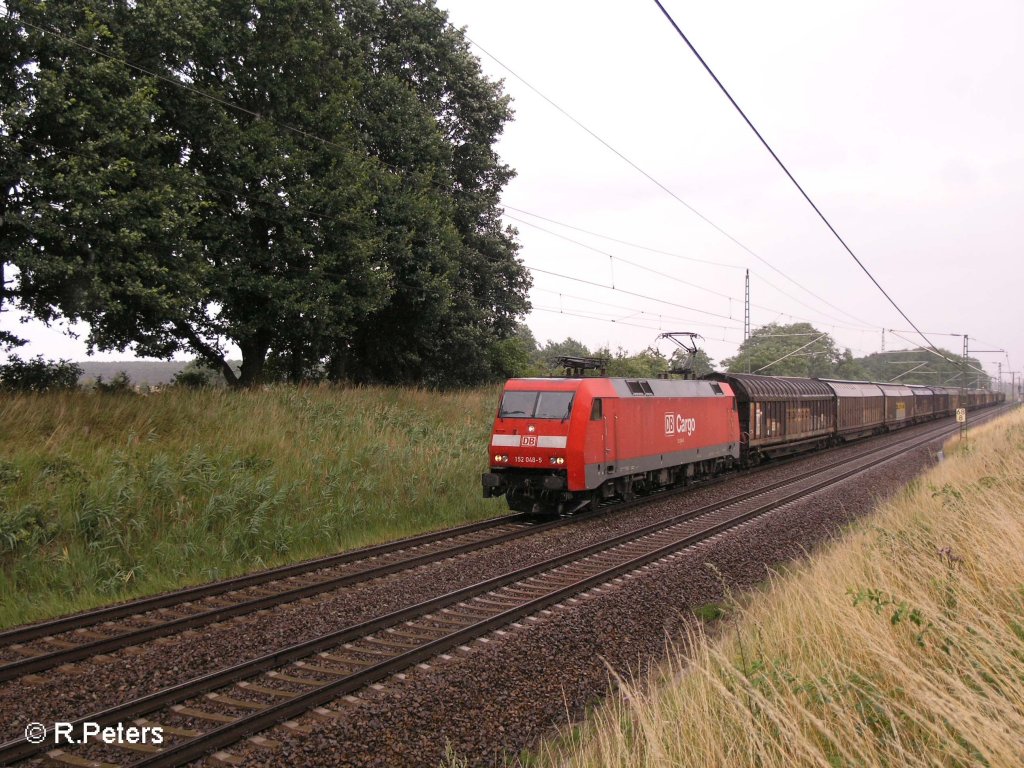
point(901, 645)
point(107, 497)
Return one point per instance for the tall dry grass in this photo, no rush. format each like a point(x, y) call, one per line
point(901, 645)
point(104, 497)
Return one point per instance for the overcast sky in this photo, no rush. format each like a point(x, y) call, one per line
point(902, 121)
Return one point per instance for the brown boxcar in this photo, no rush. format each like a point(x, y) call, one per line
point(860, 407)
point(899, 405)
point(780, 415)
point(924, 402)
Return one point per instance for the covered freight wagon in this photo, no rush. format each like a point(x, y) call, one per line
point(899, 405)
point(860, 408)
point(780, 415)
point(924, 402)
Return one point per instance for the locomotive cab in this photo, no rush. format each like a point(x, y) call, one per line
point(536, 443)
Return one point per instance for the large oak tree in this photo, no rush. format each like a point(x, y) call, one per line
point(313, 181)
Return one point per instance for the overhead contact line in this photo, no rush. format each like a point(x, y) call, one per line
point(672, 277)
point(629, 293)
point(657, 183)
point(788, 174)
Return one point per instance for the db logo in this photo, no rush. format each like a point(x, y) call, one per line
point(529, 440)
point(676, 422)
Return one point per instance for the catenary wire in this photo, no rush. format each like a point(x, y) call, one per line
point(628, 293)
point(666, 275)
point(624, 322)
point(790, 175)
point(633, 309)
point(621, 242)
point(655, 181)
point(680, 280)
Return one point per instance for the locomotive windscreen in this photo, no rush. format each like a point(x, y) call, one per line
point(536, 405)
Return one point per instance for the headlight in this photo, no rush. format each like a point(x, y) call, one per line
point(557, 460)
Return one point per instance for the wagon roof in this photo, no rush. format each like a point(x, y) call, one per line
point(853, 388)
point(895, 389)
point(775, 387)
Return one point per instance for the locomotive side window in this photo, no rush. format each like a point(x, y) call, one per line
point(597, 410)
point(536, 405)
point(639, 388)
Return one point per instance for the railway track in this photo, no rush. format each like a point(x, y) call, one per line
point(211, 712)
point(66, 640)
point(50, 644)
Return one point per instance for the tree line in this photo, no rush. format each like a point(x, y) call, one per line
point(775, 349)
point(800, 349)
point(782, 350)
point(311, 182)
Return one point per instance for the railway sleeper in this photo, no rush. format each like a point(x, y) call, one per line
point(228, 701)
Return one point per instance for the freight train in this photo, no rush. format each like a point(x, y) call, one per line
point(561, 445)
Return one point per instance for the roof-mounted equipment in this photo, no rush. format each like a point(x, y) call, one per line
point(687, 342)
point(575, 366)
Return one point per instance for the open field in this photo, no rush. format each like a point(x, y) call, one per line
point(106, 497)
point(900, 645)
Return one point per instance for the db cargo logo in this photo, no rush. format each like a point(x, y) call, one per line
point(529, 441)
point(677, 423)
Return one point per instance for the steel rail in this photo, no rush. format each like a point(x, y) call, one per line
point(44, 661)
point(189, 594)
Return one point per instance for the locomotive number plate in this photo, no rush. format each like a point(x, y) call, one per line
point(527, 459)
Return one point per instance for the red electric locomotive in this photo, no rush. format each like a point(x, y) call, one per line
point(562, 444)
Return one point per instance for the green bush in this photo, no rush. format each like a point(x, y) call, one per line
point(192, 378)
point(38, 375)
point(119, 385)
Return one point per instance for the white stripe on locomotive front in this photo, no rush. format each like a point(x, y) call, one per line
point(515, 441)
point(551, 441)
point(507, 440)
